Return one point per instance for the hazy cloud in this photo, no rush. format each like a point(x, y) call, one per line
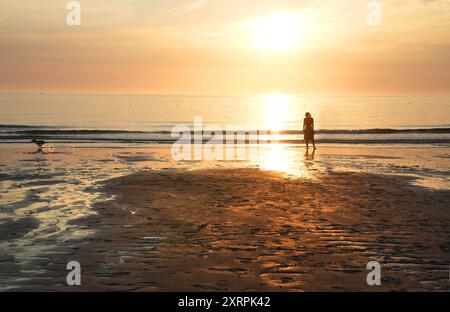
point(201, 44)
point(189, 7)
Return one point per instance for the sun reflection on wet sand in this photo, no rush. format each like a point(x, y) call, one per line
point(287, 160)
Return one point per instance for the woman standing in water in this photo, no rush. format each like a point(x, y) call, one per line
point(308, 130)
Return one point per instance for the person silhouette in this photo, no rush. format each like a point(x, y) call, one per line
point(308, 130)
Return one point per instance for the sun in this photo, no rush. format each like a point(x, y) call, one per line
point(279, 32)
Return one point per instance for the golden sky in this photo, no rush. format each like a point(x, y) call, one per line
point(225, 47)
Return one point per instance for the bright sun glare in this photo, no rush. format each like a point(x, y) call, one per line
point(279, 32)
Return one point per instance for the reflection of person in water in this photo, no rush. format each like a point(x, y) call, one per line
point(310, 156)
point(308, 130)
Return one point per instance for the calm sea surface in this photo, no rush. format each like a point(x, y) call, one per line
point(150, 118)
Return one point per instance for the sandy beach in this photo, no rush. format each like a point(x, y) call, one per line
point(247, 230)
point(160, 226)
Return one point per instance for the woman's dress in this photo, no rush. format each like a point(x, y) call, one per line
point(309, 129)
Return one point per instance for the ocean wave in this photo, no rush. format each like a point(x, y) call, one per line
point(281, 141)
point(49, 130)
point(24, 133)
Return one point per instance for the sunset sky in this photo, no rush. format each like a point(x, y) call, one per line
point(225, 47)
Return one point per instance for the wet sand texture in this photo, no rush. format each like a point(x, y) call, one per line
point(247, 230)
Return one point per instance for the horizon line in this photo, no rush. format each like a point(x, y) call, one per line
point(175, 94)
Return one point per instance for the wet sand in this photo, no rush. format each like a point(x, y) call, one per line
point(302, 223)
point(250, 230)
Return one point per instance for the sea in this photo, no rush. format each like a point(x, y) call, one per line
point(150, 119)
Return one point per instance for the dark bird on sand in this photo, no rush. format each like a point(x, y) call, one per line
point(39, 143)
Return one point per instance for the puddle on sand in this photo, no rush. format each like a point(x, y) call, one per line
point(41, 194)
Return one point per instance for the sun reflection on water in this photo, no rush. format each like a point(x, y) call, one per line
point(287, 160)
point(278, 107)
